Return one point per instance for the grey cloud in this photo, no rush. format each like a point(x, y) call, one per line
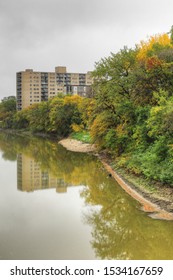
point(67, 14)
point(40, 34)
point(28, 21)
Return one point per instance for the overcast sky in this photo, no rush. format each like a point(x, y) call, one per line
point(42, 34)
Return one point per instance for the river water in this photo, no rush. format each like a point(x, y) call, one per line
point(56, 204)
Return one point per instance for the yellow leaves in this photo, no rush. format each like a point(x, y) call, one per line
point(171, 146)
point(146, 46)
point(77, 127)
point(156, 110)
point(74, 99)
point(155, 120)
point(120, 129)
point(99, 127)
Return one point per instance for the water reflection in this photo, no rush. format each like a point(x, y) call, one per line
point(31, 177)
point(120, 230)
point(110, 226)
point(42, 164)
point(35, 222)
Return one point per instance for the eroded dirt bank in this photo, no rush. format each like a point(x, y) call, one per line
point(158, 204)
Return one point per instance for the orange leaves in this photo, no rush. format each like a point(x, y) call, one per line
point(153, 62)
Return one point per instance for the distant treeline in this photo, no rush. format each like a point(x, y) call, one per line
point(130, 115)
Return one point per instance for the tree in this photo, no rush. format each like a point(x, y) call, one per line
point(7, 112)
point(153, 45)
point(8, 105)
point(64, 113)
point(38, 117)
point(113, 112)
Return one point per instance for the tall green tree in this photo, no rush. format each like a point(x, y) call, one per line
point(113, 114)
point(7, 111)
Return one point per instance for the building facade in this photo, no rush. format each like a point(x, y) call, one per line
point(34, 87)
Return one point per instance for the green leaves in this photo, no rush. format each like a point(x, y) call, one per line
point(7, 111)
point(133, 114)
point(56, 116)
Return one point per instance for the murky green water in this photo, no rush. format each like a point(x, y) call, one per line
point(55, 204)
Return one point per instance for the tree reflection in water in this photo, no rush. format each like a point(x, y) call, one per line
point(120, 230)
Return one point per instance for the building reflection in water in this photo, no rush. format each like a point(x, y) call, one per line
point(30, 176)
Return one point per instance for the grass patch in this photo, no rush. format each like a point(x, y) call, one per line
point(83, 136)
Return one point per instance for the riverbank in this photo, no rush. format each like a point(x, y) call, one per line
point(155, 198)
point(157, 202)
point(77, 146)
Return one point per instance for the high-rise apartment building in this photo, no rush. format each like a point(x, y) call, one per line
point(34, 87)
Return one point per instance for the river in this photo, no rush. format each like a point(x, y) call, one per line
point(56, 204)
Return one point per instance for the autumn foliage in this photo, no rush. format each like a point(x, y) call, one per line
point(130, 115)
point(153, 44)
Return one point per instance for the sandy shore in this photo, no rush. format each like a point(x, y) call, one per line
point(159, 205)
point(77, 146)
